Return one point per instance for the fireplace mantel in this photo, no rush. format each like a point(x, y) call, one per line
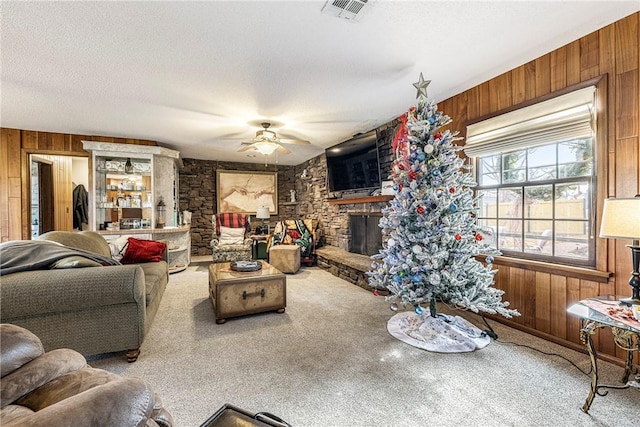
point(356, 200)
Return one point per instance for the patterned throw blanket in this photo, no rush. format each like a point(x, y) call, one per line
point(26, 255)
point(299, 235)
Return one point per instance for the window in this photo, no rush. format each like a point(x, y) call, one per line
point(536, 179)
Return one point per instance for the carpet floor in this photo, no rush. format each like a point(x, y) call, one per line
point(329, 361)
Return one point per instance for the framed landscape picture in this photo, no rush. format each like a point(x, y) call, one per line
point(246, 191)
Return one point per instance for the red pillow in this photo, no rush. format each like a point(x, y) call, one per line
point(143, 251)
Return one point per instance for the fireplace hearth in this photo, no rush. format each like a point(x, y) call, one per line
point(366, 236)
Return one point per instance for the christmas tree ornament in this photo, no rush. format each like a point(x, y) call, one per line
point(421, 85)
point(489, 259)
point(417, 249)
point(428, 148)
point(478, 237)
point(375, 292)
point(419, 310)
point(420, 210)
point(458, 237)
point(434, 278)
point(393, 306)
point(453, 208)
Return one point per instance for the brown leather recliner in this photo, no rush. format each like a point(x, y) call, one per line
point(59, 388)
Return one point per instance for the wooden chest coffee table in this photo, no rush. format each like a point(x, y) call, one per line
point(235, 293)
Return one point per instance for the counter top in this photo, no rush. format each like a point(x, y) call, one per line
point(180, 229)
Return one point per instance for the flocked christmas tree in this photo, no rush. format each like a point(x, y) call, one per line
point(431, 233)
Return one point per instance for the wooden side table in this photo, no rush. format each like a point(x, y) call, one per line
point(625, 335)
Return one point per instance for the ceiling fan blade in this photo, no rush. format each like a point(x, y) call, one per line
point(283, 150)
point(294, 141)
point(246, 148)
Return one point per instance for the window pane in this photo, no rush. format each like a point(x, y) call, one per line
point(538, 201)
point(572, 201)
point(575, 158)
point(542, 162)
point(488, 203)
point(489, 170)
point(513, 166)
point(571, 170)
point(538, 237)
point(489, 229)
point(572, 239)
point(510, 235)
point(542, 173)
point(510, 203)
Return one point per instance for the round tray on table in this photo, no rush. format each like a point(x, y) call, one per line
point(246, 265)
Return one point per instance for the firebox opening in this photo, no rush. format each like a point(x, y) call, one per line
point(366, 235)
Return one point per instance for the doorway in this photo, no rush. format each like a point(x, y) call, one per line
point(53, 179)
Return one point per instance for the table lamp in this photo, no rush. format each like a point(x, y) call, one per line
point(621, 220)
point(262, 213)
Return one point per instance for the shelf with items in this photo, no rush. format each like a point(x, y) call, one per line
point(127, 182)
point(123, 189)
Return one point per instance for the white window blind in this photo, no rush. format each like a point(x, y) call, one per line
point(564, 117)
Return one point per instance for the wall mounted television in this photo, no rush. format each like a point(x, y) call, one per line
point(353, 166)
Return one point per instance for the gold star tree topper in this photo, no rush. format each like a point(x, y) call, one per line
point(421, 86)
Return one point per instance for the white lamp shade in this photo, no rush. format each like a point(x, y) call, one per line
point(621, 219)
point(266, 147)
point(262, 213)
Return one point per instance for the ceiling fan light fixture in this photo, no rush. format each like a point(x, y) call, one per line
point(265, 147)
point(265, 135)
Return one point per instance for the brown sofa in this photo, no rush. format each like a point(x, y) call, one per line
point(91, 310)
point(58, 388)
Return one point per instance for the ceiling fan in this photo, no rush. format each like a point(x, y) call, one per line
point(266, 142)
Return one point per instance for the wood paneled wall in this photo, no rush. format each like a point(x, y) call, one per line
point(609, 56)
point(15, 147)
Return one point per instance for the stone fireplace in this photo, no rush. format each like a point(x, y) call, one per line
point(366, 236)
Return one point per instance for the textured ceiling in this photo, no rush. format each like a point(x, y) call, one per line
point(200, 76)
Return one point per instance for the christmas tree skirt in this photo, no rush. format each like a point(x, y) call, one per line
point(441, 334)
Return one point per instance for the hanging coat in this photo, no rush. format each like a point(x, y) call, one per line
point(80, 207)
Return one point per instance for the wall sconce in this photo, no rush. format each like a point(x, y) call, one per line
point(621, 220)
point(161, 208)
point(262, 213)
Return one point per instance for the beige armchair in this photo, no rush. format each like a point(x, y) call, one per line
point(231, 241)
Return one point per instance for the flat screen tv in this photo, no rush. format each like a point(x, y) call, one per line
point(353, 165)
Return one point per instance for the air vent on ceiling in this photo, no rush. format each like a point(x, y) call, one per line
point(350, 10)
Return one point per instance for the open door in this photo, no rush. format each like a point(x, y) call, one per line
point(45, 197)
point(42, 196)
